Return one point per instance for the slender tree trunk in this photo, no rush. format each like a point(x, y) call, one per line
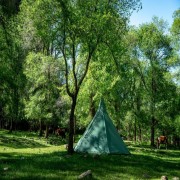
point(11, 125)
point(15, 110)
point(74, 128)
point(1, 116)
point(40, 128)
point(47, 131)
point(92, 106)
point(152, 130)
point(140, 133)
point(129, 132)
point(135, 129)
point(153, 120)
point(137, 116)
point(117, 110)
point(71, 126)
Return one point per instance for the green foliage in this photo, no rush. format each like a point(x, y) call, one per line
point(176, 24)
point(177, 125)
point(152, 91)
point(42, 73)
point(175, 32)
point(12, 56)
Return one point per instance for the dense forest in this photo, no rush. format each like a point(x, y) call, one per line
point(58, 58)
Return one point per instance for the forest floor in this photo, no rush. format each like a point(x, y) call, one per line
point(25, 156)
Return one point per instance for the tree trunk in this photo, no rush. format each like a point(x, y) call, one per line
point(137, 116)
point(129, 132)
point(40, 128)
point(135, 130)
point(140, 133)
point(1, 116)
point(74, 128)
point(92, 106)
point(152, 131)
point(47, 131)
point(11, 125)
point(153, 89)
point(71, 126)
point(117, 110)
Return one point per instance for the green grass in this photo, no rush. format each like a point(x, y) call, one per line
point(25, 156)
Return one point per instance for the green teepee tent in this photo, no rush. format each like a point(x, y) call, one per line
point(101, 136)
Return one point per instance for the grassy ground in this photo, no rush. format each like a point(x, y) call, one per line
point(25, 156)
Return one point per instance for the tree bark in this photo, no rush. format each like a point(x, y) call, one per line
point(74, 128)
point(153, 121)
point(129, 132)
point(140, 133)
point(152, 130)
point(71, 126)
point(135, 130)
point(1, 117)
point(11, 125)
point(47, 131)
point(40, 128)
point(92, 106)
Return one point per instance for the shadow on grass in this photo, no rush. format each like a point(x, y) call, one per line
point(170, 153)
point(144, 163)
point(59, 165)
point(19, 142)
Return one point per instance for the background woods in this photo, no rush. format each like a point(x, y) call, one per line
point(58, 58)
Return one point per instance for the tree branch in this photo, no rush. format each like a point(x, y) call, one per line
point(66, 64)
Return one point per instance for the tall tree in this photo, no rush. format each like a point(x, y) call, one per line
point(175, 29)
point(11, 60)
point(175, 32)
point(42, 73)
point(155, 49)
point(78, 27)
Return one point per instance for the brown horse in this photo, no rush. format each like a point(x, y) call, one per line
point(61, 132)
point(161, 140)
